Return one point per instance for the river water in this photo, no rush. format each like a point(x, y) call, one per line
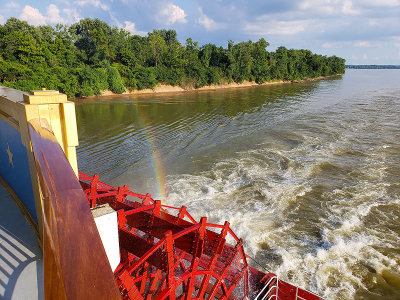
point(307, 174)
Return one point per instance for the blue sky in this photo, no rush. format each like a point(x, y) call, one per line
point(361, 31)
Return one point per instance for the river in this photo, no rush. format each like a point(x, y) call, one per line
point(307, 173)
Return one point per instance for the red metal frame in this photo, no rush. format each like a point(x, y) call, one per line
point(166, 256)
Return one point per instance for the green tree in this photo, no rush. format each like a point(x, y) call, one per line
point(260, 68)
point(158, 47)
point(90, 56)
point(115, 81)
point(145, 77)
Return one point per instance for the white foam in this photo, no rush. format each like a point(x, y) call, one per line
point(323, 206)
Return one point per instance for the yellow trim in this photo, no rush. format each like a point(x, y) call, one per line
point(70, 133)
point(44, 97)
point(55, 122)
point(44, 92)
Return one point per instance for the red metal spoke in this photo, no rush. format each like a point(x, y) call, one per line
point(165, 256)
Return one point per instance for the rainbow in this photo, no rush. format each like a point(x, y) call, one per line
point(156, 158)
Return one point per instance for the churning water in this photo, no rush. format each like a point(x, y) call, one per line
point(307, 174)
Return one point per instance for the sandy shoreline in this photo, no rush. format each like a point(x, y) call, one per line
point(167, 89)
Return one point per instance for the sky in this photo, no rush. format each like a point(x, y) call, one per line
point(361, 31)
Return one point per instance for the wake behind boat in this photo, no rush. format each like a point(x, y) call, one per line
point(128, 245)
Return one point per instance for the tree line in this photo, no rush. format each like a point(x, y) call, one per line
point(90, 56)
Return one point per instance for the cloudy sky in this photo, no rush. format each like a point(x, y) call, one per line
point(361, 31)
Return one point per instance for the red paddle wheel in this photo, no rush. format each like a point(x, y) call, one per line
point(165, 253)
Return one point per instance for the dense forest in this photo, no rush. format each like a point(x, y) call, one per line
point(90, 56)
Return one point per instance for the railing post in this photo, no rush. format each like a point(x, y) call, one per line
point(51, 107)
point(60, 115)
point(52, 110)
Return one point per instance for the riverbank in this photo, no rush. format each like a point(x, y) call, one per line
point(168, 89)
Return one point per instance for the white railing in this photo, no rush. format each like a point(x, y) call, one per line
point(270, 285)
point(271, 291)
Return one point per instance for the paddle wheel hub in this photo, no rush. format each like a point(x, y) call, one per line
point(165, 253)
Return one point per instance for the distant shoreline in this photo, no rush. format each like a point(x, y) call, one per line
point(375, 67)
point(170, 89)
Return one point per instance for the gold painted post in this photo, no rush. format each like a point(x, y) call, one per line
point(18, 108)
point(60, 114)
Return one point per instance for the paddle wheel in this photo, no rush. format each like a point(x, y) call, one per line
point(165, 253)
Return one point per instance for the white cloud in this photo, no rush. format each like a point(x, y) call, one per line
point(373, 22)
point(171, 14)
point(382, 3)
point(1, 19)
point(32, 16)
point(335, 45)
point(328, 45)
point(72, 15)
point(365, 56)
point(53, 15)
point(362, 44)
point(93, 3)
point(368, 44)
point(324, 7)
point(208, 23)
point(347, 8)
point(131, 27)
point(333, 7)
point(63, 2)
point(128, 26)
point(275, 27)
point(397, 43)
point(12, 5)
